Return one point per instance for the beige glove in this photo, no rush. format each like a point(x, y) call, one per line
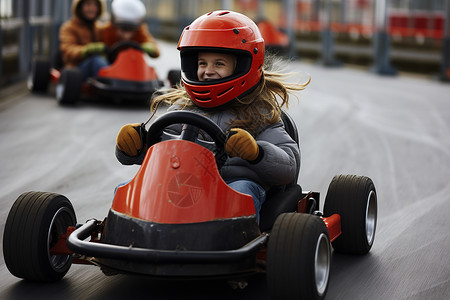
point(242, 144)
point(128, 140)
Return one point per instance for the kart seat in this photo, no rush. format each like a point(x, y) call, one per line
point(282, 199)
point(291, 129)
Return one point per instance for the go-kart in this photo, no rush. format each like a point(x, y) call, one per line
point(130, 76)
point(276, 41)
point(177, 218)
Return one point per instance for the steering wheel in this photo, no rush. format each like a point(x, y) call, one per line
point(193, 123)
point(120, 46)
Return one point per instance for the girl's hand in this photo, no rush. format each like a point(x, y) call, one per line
point(241, 143)
point(128, 140)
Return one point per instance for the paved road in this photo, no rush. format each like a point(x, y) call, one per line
point(392, 129)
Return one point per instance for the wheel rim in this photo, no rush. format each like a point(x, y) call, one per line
point(322, 263)
point(30, 82)
point(62, 218)
point(59, 91)
point(371, 217)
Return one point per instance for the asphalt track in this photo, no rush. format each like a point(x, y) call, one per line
point(395, 130)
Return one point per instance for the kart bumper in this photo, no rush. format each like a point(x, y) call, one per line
point(116, 86)
point(76, 243)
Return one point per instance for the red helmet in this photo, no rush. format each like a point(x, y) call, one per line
point(227, 32)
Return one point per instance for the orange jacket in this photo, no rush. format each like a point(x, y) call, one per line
point(76, 33)
point(143, 35)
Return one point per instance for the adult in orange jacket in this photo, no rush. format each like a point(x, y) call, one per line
point(127, 24)
point(80, 38)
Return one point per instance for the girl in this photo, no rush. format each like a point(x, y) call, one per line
point(222, 57)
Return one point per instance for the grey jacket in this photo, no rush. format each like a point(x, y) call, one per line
point(278, 166)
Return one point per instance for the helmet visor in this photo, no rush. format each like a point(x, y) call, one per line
point(189, 64)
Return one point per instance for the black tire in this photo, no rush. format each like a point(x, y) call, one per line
point(33, 226)
point(354, 198)
point(68, 90)
point(39, 78)
point(174, 77)
point(298, 257)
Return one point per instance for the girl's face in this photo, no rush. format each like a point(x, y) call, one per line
point(90, 9)
point(213, 66)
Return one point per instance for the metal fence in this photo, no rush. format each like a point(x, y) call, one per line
point(381, 34)
point(28, 28)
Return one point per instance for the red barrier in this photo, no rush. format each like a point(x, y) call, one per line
point(424, 25)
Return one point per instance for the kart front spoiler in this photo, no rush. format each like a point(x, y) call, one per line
point(125, 87)
point(76, 243)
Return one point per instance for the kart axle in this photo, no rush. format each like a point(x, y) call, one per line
point(333, 224)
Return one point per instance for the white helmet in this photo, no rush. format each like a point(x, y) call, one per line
point(128, 14)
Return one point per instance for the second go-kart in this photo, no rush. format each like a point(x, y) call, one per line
point(130, 77)
point(177, 218)
point(276, 41)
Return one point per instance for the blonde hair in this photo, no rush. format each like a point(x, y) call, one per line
point(254, 111)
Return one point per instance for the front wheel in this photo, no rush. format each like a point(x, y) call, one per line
point(34, 224)
point(354, 198)
point(68, 89)
point(298, 257)
point(174, 77)
point(39, 77)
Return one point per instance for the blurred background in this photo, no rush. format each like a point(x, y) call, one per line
point(378, 105)
point(383, 36)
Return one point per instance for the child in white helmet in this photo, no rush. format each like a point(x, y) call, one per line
point(127, 24)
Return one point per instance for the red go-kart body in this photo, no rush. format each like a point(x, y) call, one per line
point(130, 76)
point(182, 173)
point(125, 68)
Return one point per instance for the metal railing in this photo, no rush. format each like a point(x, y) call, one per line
point(372, 32)
point(27, 29)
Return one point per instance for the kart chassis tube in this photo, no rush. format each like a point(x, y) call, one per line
point(76, 243)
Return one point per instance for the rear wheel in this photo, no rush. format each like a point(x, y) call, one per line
point(68, 90)
point(34, 224)
point(354, 198)
point(174, 77)
point(298, 257)
point(39, 78)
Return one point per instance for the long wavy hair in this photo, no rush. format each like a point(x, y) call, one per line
point(254, 111)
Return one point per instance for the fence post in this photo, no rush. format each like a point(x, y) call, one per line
point(25, 49)
point(58, 17)
point(381, 40)
point(291, 20)
point(226, 5)
point(1, 53)
point(445, 63)
point(327, 53)
point(183, 19)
